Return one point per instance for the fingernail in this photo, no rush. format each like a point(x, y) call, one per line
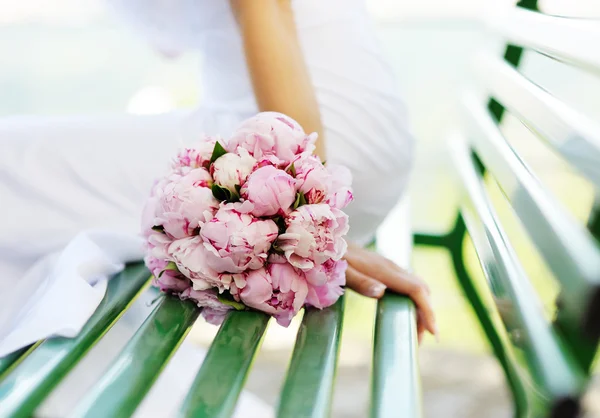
point(376, 290)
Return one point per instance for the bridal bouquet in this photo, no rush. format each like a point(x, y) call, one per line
point(254, 222)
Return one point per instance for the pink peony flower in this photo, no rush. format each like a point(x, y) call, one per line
point(325, 283)
point(230, 254)
point(166, 280)
point(270, 160)
point(271, 133)
point(314, 235)
point(180, 204)
point(190, 256)
point(271, 191)
point(232, 282)
point(196, 156)
point(192, 259)
point(341, 199)
point(215, 316)
point(157, 244)
point(231, 170)
point(278, 290)
point(214, 311)
point(341, 192)
point(277, 258)
point(312, 178)
point(237, 241)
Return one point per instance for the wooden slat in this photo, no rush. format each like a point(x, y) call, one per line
point(221, 378)
point(396, 386)
point(128, 380)
point(555, 377)
point(308, 388)
point(33, 379)
point(566, 246)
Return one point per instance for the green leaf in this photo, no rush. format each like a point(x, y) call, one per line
point(230, 302)
point(224, 194)
point(292, 170)
point(276, 249)
point(220, 193)
point(324, 162)
point(280, 223)
point(302, 199)
point(297, 201)
point(170, 266)
point(158, 228)
point(218, 151)
point(238, 189)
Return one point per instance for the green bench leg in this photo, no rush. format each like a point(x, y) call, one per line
point(308, 388)
point(219, 382)
point(396, 386)
point(129, 379)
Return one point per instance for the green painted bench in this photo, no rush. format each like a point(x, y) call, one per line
point(29, 376)
point(547, 363)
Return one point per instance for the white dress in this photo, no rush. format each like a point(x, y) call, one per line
point(62, 175)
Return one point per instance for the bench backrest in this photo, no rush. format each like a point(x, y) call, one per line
point(547, 363)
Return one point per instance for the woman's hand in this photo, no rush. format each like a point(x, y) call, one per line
point(370, 274)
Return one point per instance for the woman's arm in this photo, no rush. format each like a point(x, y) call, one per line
point(276, 64)
point(281, 83)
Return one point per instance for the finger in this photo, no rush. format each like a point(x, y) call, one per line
point(396, 279)
point(420, 330)
point(363, 284)
point(408, 275)
point(383, 269)
point(416, 289)
point(423, 302)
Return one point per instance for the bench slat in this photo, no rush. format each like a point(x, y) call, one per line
point(574, 136)
point(137, 367)
point(308, 388)
point(22, 390)
point(7, 363)
point(571, 40)
point(556, 377)
point(396, 385)
point(221, 378)
point(568, 248)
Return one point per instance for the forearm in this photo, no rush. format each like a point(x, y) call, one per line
point(276, 64)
